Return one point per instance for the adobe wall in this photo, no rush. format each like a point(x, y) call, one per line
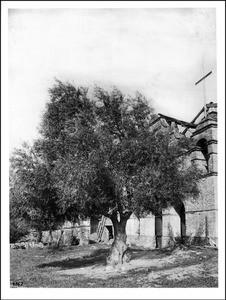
point(170, 226)
point(74, 234)
point(200, 220)
point(141, 232)
point(201, 213)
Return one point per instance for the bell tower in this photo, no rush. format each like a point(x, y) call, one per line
point(205, 136)
point(201, 213)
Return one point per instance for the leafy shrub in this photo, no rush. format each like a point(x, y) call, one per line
point(18, 229)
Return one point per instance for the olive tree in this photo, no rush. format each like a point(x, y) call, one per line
point(107, 157)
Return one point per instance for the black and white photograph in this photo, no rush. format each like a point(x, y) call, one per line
point(112, 141)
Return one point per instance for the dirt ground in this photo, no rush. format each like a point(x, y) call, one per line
point(85, 266)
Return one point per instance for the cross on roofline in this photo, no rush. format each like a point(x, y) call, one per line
point(203, 79)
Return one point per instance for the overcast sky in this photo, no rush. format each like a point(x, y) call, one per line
point(158, 52)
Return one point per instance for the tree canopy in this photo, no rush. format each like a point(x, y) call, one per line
point(33, 198)
point(102, 155)
point(106, 155)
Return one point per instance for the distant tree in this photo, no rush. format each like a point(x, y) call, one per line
point(108, 159)
point(33, 198)
point(18, 229)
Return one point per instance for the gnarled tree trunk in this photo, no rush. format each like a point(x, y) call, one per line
point(50, 236)
point(39, 236)
point(118, 254)
point(60, 237)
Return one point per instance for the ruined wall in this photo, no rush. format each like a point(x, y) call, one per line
point(201, 213)
point(170, 226)
point(74, 234)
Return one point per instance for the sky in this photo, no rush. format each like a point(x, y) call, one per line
point(160, 52)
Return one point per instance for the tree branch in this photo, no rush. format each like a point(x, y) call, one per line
point(126, 214)
point(111, 211)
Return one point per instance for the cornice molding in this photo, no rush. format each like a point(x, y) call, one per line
point(203, 129)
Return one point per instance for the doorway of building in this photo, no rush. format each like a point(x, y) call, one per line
point(180, 209)
point(110, 232)
point(182, 223)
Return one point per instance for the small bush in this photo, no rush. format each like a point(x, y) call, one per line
point(18, 229)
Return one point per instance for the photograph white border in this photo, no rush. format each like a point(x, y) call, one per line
point(96, 293)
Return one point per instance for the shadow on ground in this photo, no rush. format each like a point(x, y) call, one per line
point(190, 267)
point(97, 257)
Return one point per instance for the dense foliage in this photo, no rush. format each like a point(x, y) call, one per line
point(106, 155)
point(100, 155)
point(33, 198)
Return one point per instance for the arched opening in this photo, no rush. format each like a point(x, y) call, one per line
point(202, 145)
point(180, 209)
point(110, 232)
